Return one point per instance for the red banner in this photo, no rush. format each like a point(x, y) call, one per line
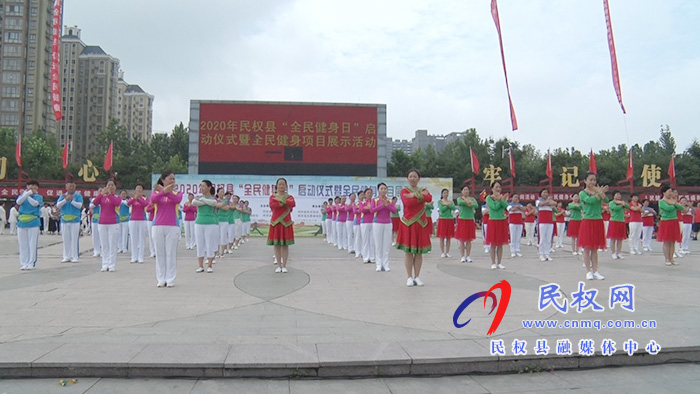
point(65, 155)
point(475, 162)
point(672, 172)
point(108, 158)
point(613, 56)
point(287, 133)
point(549, 171)
point(50, 192)
point(55, 47)
point(592, 166)
point(496, 20)
point(18, 152)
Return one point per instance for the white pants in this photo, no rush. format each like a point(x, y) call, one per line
point(237, 229)
point(530, 232)
point(96, 249)
point(124, 236)
point(342, 236)
point(323, 227)
point(560, 234)
point(367, 242)
point(350, 235)
point(606, 223)
point(357, 234)
point(13, 228)
point(189, 233)
point(109, 240)
point(516, 233)
point(151, 246)
point(545, 231)
point(329, 230)
point(334, 233)
point(137, 231)
point(231, 232)
point(2, 227)
point(246, 228)
point(223, 233)
point(382, 243)
point(70, 232)
point(647, 232)
point(635, 236)
point(686, 230)
point(28, 238)
point(166, 238)
point(207, 239)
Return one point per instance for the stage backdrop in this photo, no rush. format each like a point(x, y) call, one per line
point(309, 191)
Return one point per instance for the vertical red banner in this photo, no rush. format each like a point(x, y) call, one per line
point(55, 47)
point(592, 166)
point(512, 163)
point(496, 20)
point(613, 56)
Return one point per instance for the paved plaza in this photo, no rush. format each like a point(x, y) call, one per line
point(330, 316)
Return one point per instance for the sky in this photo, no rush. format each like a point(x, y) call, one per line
point(435, 64)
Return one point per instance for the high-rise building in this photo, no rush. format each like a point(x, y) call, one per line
point(25, 53)
point(136, 111)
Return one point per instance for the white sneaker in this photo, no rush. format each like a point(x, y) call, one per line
point(74, 261)
point(24, 268)
point(512, 255)
point(542, 258)
point(284, 270)
point(487, 250)
point(418, 281)
point(278, 270)
point(409, 282)
point(209, 270)
point(378, 269)
point(469, 260)
point(104, 269)
point(132, 262)
point(619, 257)
point(65, 260)
point(235, 247)
point(589, 275)
point(160, 284)
point(549, 258)
point(170, 285)
point(463, 260)
point(646, 249)
point(598, 276)
point(447, 255)
point(387, 269)
point(614, 256)
point(200, 269)
point(518, 254)
point(574, 253)
point(583, 264)
point(442, 256)
point(494, 266)
point(501, 266)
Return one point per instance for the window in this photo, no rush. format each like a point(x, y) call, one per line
point(33, 11)
point(14, 10)
point(30, 105)
point(10, 119)
point(10, 105)
point(10, 77)
point(13, 37)
point(31, 64)
point(32, 38)
point(30, 78)
point(30, 119)
point(30, 92)
point(12, 50)
point(10, 64)
point(10, 91)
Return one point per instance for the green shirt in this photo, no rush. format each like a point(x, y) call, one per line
point(668, 211)
point(397, 214)
point(592, 206)
point(429, 209)
point(467, 211)
point(324, 215)
point(206, 214)
point(446, 210)
point(575, 210)
point(497, 209)
point(236, 214)
point(617, 212)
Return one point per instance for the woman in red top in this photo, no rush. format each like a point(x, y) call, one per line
point(281, 233)
point(413, 238)
point(560, 220)
point(530, 219)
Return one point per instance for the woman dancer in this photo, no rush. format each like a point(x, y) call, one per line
point(498, 225)
point(574, 209)
point(206, 225)
point(592, 231)
point(616, 230)
point(166, 229)
point(366, 228)
point(635, 225)
point(560, 220)
point(382, 208)
point(466, 227)
point(545, 206)
point(356, 227)
point(669, 231)
point(412, 237)
point(446, 222)
point(137, 225)
point(109, 204)
point(395, 220)
point(190, 216)
point(648, 222)
point(281, 233)
point(516, 210)
point(530, 219)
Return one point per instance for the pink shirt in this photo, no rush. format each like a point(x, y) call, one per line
point(382, 212)
point(109, 206)
point(166, 207)
point(358, 213)
point(190, 212)
point(350, 212)
point(367, 215)
point(342, 213)
point(138, 208)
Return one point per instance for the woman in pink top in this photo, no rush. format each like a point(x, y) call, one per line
point(382, 207)
point(166, 229)
point(109, 224)
point(329, 220)
point(190, 215)
point(341, 226)
point(356, 228)
point(366, 229)
point(350, 223)
point(137, 224)
point(150, 216)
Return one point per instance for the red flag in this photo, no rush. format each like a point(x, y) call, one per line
point(550, 174)
point(672, 172)
point(108, 158)
point(18, 151)
point(55, 64)
point(630, 168)
point(65, 156)
point(592, 167)
point(496, 20)
point(613, 56)
point(512, 163)
point(475, 162)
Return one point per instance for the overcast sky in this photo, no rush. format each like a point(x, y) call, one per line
point(435, 64)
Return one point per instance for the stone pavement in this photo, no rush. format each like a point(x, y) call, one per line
point(330, 316)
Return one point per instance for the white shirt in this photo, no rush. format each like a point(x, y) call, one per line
point(14, 214)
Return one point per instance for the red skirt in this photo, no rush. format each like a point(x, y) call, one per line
point(591, 234)
point(431, 228)
point(669, 231)
point(395, 222)
point(280, 235)
point(466, 230)
point(617, 230)
point(497, 232)
point(573, 228)
point(446, 228)
point(413, 239)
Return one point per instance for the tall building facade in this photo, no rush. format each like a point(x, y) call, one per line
point(422, 140)
point(93, 93)
point(25, 58)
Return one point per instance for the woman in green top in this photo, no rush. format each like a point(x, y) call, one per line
point(617, 230)
point(669, 232)
point(206, 225)
point(591, 235)
point(574, 209)
point(446, 222)
point(395, 220)
point(466, 228)
point(429, 207)
point(497, 230)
